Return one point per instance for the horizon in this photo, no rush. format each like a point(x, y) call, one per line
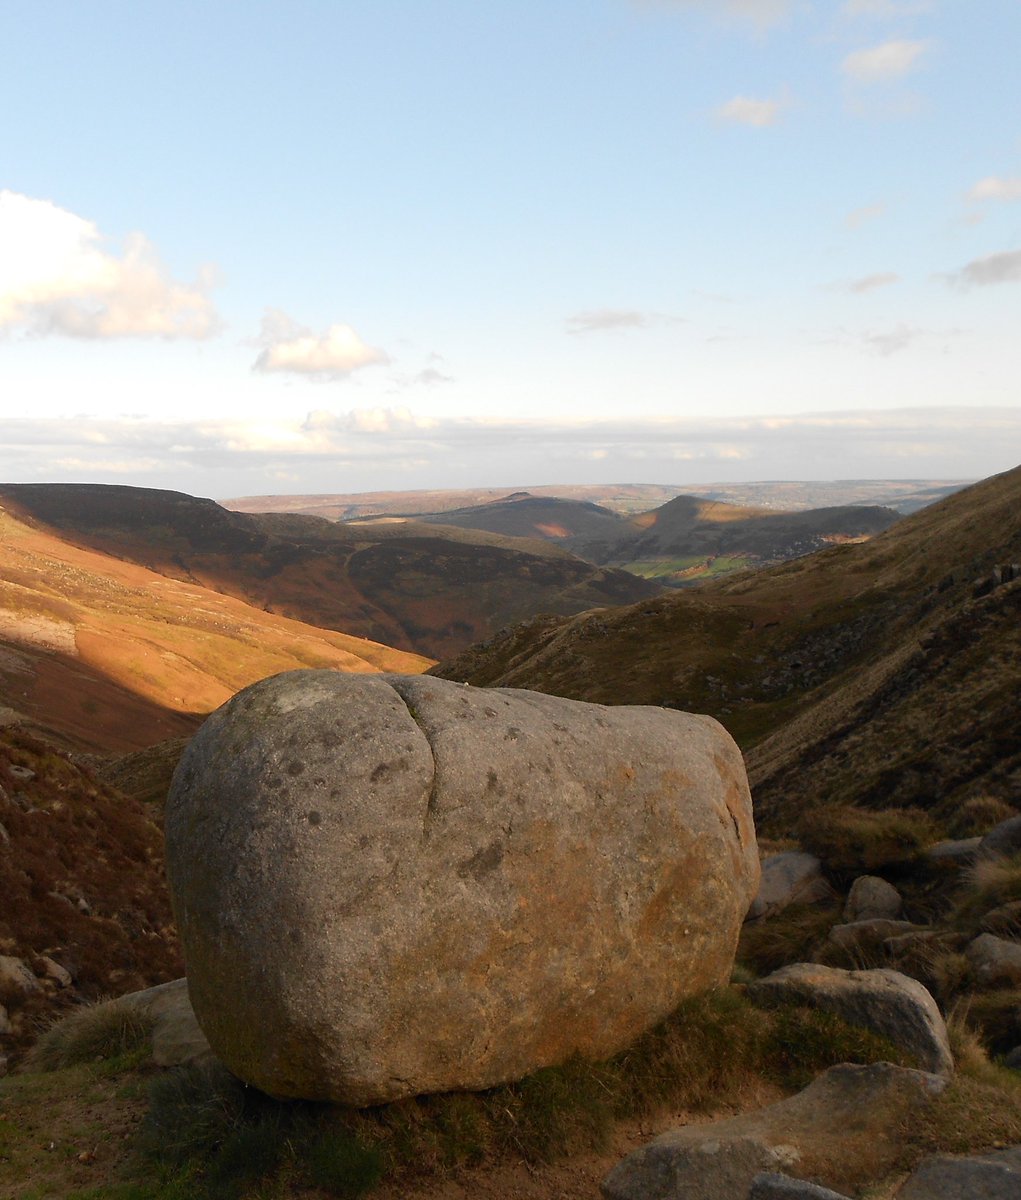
point(420, 247)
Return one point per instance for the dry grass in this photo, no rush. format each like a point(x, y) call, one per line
point(852, 841)
point(989, 883)
point(98, 1032)
point(798, 934)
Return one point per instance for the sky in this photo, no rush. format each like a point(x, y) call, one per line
point(262, 247)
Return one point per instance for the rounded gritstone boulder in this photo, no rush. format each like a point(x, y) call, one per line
point(392, 885)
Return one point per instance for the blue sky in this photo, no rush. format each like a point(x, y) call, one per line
point(270, 247)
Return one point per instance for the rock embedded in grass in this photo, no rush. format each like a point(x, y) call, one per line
point(872, 898)
point(391, 885)
point(790, 877)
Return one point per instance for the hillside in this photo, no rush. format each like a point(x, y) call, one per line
point(690, 537)
point(426, 590)
point(571, 522)
point(108, 654)
point(864, 661)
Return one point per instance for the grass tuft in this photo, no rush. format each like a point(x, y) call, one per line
point(102, 1031)
point(851, 840)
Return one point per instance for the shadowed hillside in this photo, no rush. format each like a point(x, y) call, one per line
point(864, 661)
point(420, 588)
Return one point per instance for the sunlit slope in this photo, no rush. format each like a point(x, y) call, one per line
point(425, 589)
point(811, 648)
point(113, 655)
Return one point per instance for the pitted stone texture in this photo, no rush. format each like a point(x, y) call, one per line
point(790, 877)
point(828, 1122)
point(391, 885)
point(887, 1002)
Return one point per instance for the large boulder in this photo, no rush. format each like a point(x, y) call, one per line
point(995, 1175)
point(391, 885)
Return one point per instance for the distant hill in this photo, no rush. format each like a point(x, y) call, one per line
point(690, 537)
point(881, 673)
point(107, 654)
point(570, 522)
point(420, 588)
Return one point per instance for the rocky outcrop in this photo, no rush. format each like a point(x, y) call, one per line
point(1003, 839)
point(390, 885)
point(885, 1001)
point(843, 1110)
point(992, 1176)
point(771, 1185)
point(995, 960)
point(790, 877)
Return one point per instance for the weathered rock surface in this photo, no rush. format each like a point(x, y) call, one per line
point(391, 885)
point(996, 961)
point(952, 854)
point(992, 1176)
point(874, 930)
point(891, 1004)
point(176, 1036)
point(17, 976)
point(1003, 839)
point(844, 1110)
point(774, 1186)
point(872, 898)
point(790, 877)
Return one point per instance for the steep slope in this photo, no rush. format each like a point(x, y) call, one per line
point(424, 589)
point(109, 655)
point(839, 655)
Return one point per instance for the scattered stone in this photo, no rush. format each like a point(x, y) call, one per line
point(862, 933)
point(772, 1186)
point(19, 772)
point(891, 1004)
point(791, 877)
point(5, 837)
point(5, 1065)
point(53, 970)
point(391, 885)
point(872, 898)
point(959, 852)
point(1003, 839)
point(176, 1036)
point(5, 1021)
point(1004, 921)
point(992, 1176)
point(843, 1109)
point(16, 974)
point(1013, 1059)
point(997, 962)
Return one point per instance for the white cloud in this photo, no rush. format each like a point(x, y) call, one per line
point(57, 278)
point(601, 320)
point(889, 60)
point(1002, 267)
point(868, 283)
point(332, 355)
point(745, 110)
point(887, 342)
point(887, 10)
point(860, 216)
point(995, 188)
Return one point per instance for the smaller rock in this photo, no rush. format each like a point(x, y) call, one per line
point(16, 974)
point(53, 970)
point(1012, 1059)
point(995, 960)
point(5, 1021)
point(959, 852)
point(1004, 921)
point(887, 1002)
point(791, 877)
point(21, 772)
point(176, 1036)
point(1003, 839)
point(770, 1186)
point(993, 1176)
point(879, 929)
point(870, 898)
point(4, 1065)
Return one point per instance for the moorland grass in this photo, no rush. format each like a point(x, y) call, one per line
point(713, 1051)
point(101, 1031)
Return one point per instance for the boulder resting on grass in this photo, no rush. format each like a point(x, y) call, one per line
point(392, 885)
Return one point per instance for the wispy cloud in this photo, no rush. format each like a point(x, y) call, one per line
point(861, 216)
point(889, 60)
point(332, 355)
point(57, 277)
point(1002, 267)
point(761, 14)
point(868, 283)
point(602, 320)
point(994, 187)
point(746, 110)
